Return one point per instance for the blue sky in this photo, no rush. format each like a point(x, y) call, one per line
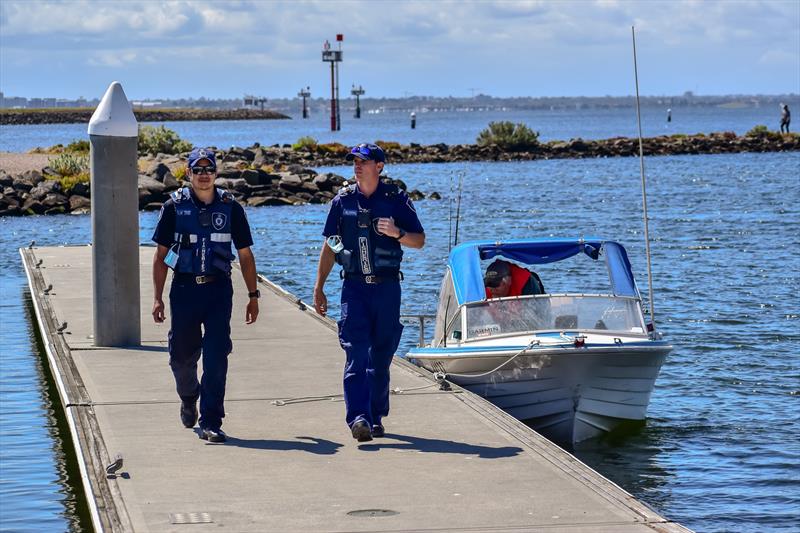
point(524, 48)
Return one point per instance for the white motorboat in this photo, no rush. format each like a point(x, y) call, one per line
point(572, 365)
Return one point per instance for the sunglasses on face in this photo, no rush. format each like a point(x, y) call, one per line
point(204, 170)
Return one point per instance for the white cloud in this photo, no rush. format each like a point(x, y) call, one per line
point(508, 47)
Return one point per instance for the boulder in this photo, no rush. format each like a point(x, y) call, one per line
point(80, 189)
point(261, 158)
point(152, 185)
point(158, 171)
point(21, 183)
point(32, 207)
point(434, 196)
point(8, 202)
point(252, 177)
point(300, 170)
point(44, 188)
point(291, 182)
point(33, 176)
point(416, 195)
point(328, 181)
point(239, 154)
point(79, 202)
point(258, 201)
point(54, 199)
point(229, 171)
point(170, 183)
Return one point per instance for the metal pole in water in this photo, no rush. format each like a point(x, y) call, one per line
point(113, 137)
point(644, 188)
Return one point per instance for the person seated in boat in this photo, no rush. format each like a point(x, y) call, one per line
point(503, 279)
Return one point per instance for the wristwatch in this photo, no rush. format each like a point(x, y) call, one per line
point(402, 233)
point(255, 294)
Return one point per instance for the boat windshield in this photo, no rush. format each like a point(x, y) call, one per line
point(554, 312)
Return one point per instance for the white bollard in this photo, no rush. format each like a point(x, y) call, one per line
point(113, 135)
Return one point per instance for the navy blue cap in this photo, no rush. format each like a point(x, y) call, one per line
point(495, 273)
point(198, 153)
point(367, 152)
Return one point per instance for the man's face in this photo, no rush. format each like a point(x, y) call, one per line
point(366, 172)
point(203, 174)
point(501, 291)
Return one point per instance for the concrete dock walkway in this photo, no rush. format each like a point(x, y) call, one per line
point(450, 461)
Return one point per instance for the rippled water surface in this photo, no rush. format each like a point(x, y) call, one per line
point(720, 449)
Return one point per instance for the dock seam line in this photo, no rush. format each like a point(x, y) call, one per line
point(106, 505)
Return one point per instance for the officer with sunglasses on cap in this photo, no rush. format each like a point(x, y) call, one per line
point(367, 223)
point(195, 230)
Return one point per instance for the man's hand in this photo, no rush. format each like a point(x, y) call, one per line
point(251, 314)
point(158, 311)
point(320, 302)
point(386, 226)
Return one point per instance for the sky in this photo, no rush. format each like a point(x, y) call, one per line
point(225, 49)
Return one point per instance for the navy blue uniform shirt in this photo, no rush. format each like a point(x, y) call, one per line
point(240, 227)
point(401, 210)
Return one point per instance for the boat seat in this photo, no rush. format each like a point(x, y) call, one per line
point(566, 321)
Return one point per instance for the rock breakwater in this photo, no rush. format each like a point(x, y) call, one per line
point(82, 115)
point(244, 172)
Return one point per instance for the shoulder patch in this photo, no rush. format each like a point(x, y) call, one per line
point(225, 196)
point(347, 189)
point(393, 190)
point(179, 194)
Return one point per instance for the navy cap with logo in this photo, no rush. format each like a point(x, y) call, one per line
point(495, 273)
point(198, 153)
point(367, 152)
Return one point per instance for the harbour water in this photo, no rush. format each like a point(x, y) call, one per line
point(449, 127)
point(719, 451)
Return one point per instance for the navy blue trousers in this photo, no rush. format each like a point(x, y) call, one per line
point(201, 324)
point(369, 333)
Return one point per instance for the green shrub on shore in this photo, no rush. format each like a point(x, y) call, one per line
point(758, 131)
point(78, 146)
point(161, 140)
point(508, 136)
point(388, 145)
point(764, 132)
point(69, 164)
point(68, 182)
point(333, 149)
point(305, 143)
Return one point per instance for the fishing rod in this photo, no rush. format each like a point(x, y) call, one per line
point(458, 205)
point(450, 219)
point(644, 188)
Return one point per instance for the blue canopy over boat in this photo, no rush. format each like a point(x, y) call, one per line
point(464, 261)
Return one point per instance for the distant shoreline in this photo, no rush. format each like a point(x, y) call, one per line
point(15, 117)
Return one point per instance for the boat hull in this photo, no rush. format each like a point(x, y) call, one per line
point(569, 394)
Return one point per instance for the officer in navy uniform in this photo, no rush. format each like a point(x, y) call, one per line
point(366, 226)
point(195, 230)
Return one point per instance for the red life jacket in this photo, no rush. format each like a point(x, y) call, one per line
point(519, 277)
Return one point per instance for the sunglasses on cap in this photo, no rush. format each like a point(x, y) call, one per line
point(364, 149)
point(204, 170)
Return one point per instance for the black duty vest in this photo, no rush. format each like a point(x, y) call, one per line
point(365, 252)
point(203, 233)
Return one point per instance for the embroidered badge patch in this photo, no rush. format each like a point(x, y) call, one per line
point(218, 220)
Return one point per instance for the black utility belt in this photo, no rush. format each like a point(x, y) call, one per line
point(199, 280)
point(373, 280)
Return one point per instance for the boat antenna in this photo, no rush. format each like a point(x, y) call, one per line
point(644, 188)
point(458, 205)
